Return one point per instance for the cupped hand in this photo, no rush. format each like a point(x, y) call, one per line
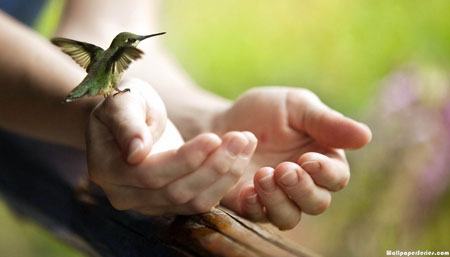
point(139, 159)
point(299, 158)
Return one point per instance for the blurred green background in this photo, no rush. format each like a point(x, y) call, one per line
point(342, 50)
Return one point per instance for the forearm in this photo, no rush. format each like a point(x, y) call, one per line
point(34, 78)
point(189, 107)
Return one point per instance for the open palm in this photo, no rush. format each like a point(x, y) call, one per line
point(299, 157)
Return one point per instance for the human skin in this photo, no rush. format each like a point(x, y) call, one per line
point(300, 139)
point(166, 176)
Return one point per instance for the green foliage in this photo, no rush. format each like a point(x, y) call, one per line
point(49, 18)
point(21, 238)
point(340, 48)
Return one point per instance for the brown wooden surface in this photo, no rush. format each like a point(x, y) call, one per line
point(224, 234)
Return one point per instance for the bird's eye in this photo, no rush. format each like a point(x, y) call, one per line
point(131, 40)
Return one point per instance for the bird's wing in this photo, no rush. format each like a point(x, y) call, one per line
point(83, 53)
point(123, 57)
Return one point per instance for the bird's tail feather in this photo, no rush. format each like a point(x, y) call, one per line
point(81, 90)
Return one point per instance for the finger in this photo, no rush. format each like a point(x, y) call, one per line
point(300, 187)
point(155, 108)
point(99, 138)
point(280, 210)
point(251, 206)
point(186, 159)
point(215, 192)
point(134, 120)
point(124, 198)
point(157, 170)
point(126, 122)
point(216, 166)
point(308, 114)
point(332, 173)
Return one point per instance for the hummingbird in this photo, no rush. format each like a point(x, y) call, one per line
point(104, 67)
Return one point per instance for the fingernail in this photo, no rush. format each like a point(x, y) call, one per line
point(267, 183)
point(311, 166)
point(235, 146)
point(134, 147)
point(252, 199)
point(289, 178)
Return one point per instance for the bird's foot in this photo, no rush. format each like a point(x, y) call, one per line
point(122, 91)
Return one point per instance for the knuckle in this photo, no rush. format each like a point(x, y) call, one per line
point(208, 138)
point(176, 196)
point(220, 166)
point(191, 162)
point(236, 171)
point(305, 93)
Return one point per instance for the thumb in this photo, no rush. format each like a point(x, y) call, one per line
point(328, 127)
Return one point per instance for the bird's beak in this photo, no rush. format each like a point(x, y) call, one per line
point(152, 35)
